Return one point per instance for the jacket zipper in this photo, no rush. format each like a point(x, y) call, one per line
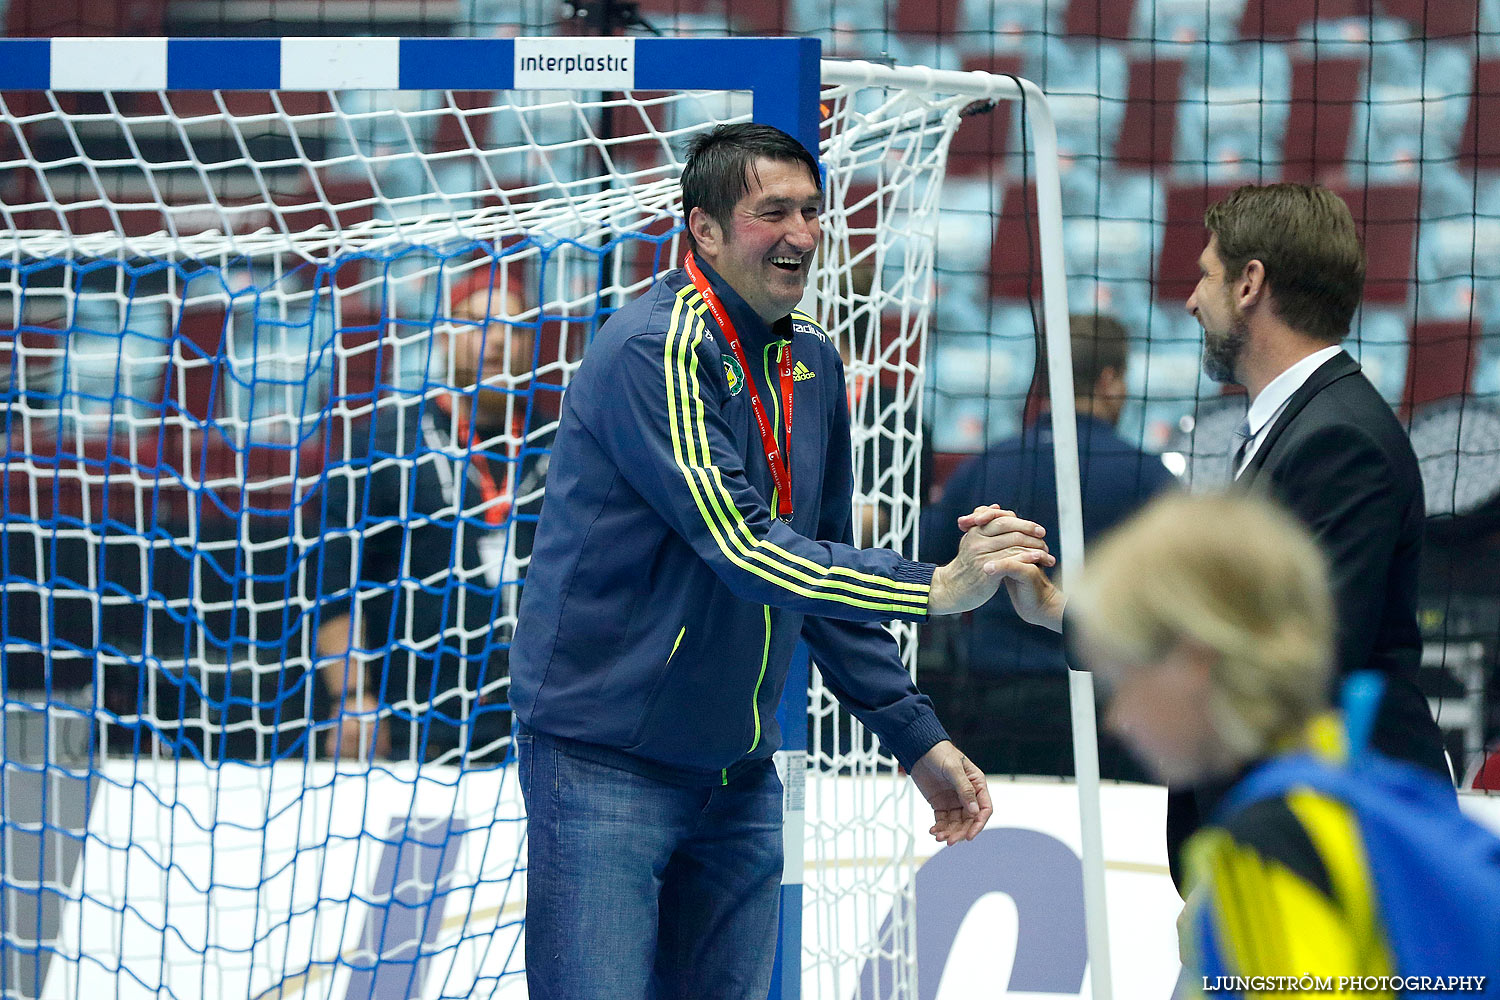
point(765, 653)
point(771, 384)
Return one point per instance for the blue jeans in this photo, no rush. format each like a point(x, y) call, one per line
point(641, 890)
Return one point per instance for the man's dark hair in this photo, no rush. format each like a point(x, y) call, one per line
point(1099, 342)
point(717, 173)
point(1304, 236)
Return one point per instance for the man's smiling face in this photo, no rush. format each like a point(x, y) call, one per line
point(766, 253)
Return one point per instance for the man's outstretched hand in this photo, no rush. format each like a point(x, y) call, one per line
point(957, 792)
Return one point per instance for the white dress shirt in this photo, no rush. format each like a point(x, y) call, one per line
point(1266, 407)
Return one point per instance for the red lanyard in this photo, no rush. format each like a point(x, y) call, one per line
point(494, 512)
point(781, 476)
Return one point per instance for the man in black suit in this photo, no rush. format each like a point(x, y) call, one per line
point(1281, 279)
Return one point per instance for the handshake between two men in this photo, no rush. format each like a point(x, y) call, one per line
point(999, 547)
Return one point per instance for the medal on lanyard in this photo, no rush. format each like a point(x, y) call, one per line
point(777, 459)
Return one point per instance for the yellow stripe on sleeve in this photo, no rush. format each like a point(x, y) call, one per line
point(725, 522)
point(881, 582)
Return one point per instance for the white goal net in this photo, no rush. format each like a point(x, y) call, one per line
point(263, 538)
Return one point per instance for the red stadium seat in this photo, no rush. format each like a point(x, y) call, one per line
point(1433, 19)
point(1487, 775)
point(1443, 354)
point(1015, 259)
point(909, 360)
point(764, 17)
point(661, 9)
point(1100, 18)
point(339, 201)
point(984, 138)
point(1324, 92)
point(1177, 267)
point(1479, 148)
point(1284, 18)
point(45, 18)
point(138, 214)
point(1146, 138)
point(201, 330)
point(636, 129)
point(1387, 220)
point(195, 103)
point(944, 464)
point(864, 220)
point(457, 131)
point(927, 19)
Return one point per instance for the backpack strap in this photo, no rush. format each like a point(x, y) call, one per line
point(1361, 703)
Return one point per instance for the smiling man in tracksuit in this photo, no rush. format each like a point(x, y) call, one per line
point(696, 526)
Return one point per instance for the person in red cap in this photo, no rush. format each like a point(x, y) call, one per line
point(408, 649)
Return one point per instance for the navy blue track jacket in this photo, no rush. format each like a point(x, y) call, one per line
point(664, 601)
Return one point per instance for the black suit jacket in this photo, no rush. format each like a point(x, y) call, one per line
point(1340, 461)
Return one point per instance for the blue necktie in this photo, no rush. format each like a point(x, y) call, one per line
point(1242, 433)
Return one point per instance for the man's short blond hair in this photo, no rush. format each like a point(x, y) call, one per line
point(1237, 575)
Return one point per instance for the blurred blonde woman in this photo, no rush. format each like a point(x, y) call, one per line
point(1209, 623)
point(1211, 620)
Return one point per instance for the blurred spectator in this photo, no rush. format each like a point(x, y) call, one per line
point(1006, 690)
point(1212, 619)
point(410, 652)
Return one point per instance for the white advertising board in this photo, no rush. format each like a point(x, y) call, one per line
point(375, 886)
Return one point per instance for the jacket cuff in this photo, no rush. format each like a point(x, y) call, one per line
point(924, 733)
point(914, 572)
point(908, 571)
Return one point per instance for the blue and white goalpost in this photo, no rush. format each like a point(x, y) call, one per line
point(221, 260)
